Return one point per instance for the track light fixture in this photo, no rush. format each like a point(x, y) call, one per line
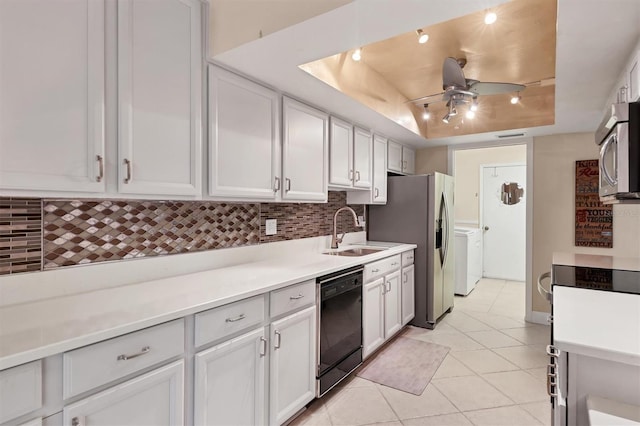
point(426, 114)
point(451, 113)
point(422, 37)
point(357, 54)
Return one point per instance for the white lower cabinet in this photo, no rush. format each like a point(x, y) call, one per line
point(230, 382)
point(408, 294)
point(293, 358)
point(392, 305)
point(155, 398)
point(34, 422)
point(373, 319)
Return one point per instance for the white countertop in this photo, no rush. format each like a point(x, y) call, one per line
point(597, 261)
point(595, 323)
point(40, 328)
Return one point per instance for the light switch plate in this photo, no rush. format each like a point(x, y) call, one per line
point(271, 226)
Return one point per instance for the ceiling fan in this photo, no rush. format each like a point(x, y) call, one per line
point(459, 90)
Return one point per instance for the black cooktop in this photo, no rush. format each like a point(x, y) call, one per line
point(615, 280)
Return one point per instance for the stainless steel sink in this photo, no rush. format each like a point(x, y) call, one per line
point(355, 251)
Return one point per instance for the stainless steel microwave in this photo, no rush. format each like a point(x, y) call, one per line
point(619, 138)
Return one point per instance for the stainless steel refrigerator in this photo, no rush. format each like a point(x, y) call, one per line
point(419, 210)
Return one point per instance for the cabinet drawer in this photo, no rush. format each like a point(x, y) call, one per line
point(293, 297)
point(100, 363)
point(407, 258)
point(20, 390)
point(228, 319)
point(380, 268)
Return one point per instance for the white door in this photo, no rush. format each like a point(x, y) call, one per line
point(52, 95)
point(230, 382)
point(362, 158)
point(340, 153)
point(394, 157)
point(392, 305)
point(304, 152)
point(159, 97)
point(408, 160)
point(155, 398)
point(504, 225)
point(373, 316)
point(408, 294)
point(244, 138)
point(379, 170)
point(293, 364)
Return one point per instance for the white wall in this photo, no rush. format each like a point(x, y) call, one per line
point(467, 177)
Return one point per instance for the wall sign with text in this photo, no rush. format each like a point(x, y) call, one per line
point(594, 220)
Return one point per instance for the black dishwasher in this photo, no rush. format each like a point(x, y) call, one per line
point(339, 327)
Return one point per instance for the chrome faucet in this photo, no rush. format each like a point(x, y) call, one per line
point(334, 237)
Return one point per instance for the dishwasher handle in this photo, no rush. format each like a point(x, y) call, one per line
point(548, 295)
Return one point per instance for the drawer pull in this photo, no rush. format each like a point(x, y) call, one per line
point(238, 318)
point(394, 264)
point(279, 338)
point(77, 421)
point(375, 270)
point(263, 346)
point(128, 164)
point(143, 351)
point(299, 296)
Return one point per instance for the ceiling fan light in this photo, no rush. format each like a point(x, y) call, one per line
point(446, 118)
point(474, 106)
point(490, 18)
point(357, 55)
point(426, 114)
point(422, 37)
point(471, 114)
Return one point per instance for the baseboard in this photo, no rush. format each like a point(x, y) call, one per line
point(538, 317)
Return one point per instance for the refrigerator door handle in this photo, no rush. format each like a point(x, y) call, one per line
point(445, 229)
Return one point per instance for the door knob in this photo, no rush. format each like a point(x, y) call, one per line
point(486, 228)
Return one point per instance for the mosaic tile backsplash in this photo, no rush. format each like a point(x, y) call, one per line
point(88, 231)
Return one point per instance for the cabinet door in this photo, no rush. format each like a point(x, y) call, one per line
point(379, 170)
point(373, 316)
point(408, 294)
point(392, 305)
point(341, 153)
point(244, 138)
point(305, 152)
point(293, 364)
point(362, 158)
point(394, 163)
point(230, 380)
point(159, 97)
point(155, 398)
point(52, 95)
point(634, 79)
point(408, 161)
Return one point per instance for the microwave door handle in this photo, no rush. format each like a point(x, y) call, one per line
point(603, 165)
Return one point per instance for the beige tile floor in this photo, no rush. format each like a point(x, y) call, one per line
point(493, 375)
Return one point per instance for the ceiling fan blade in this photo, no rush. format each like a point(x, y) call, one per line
point(452, 75)
point(482, 88)
point(427, 99)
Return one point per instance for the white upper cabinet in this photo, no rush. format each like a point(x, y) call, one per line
point(408, 160)
point(159, 97)
point(341, 153)
point(379, 190)
point(52, 95)
point(304, 152)
point(244, 138)
point(362, 147)
point(394, 161)
point(634, 78)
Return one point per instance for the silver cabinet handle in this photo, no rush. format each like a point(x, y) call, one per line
point(376, 193)
point(543, 292)
point(263, 346)
point(350, 174)
point(278, 339)
point(288, 182)
point(357, 176)
point(77, 421)
point(375, 270)
point(394, 264)
point(276, 187)
point(406, 277)
point(299, 296)
point(143, 351)
point(100, 161)
point(238, 318)
point(389, 284)
point(128, 164)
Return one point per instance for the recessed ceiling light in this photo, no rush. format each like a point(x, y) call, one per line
point(515, 99)
point(490, 18)
point(357, 55)
point(470, 114)
point(474, 106)
point(422, 37)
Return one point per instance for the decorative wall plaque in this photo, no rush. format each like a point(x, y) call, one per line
point(594, 220)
